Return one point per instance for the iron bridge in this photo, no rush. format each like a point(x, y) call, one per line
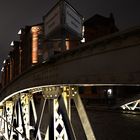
point(37, 104)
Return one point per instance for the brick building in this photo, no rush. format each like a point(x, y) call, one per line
point(30, 44)
point(98, 26)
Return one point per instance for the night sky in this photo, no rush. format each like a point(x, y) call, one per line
point(15, 14)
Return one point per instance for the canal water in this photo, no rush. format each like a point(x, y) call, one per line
point(109, 124)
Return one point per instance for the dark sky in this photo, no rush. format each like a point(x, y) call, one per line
point(15, 14)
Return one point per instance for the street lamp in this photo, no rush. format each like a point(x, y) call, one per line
point(12, 43)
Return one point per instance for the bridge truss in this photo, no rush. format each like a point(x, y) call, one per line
point(43, 113)
point(135, 105)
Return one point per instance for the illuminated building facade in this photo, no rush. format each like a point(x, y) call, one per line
point(37, 42)
point(62, 29)
point(31, 45)
point(23, 54)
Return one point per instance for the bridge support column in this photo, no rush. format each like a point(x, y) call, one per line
point(9, 118)
point(73, 93)
point(25, 112)
point(66, 94)
point(59, 99)
point(59, 122)
point(36, 118)
point(83, 117)
point(1, 121)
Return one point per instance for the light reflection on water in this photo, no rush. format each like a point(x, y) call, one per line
point(132, 115)
point(111, 124)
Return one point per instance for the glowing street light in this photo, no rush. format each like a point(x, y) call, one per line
point(20, 32)
point(2, 69)
point(4, 61)
point(109, 92)
point(12, 43)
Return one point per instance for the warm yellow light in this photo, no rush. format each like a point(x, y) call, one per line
point(35, 31)
point(67, 43)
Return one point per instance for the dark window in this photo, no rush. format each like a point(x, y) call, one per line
point(81, 90)
point(94, 89)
